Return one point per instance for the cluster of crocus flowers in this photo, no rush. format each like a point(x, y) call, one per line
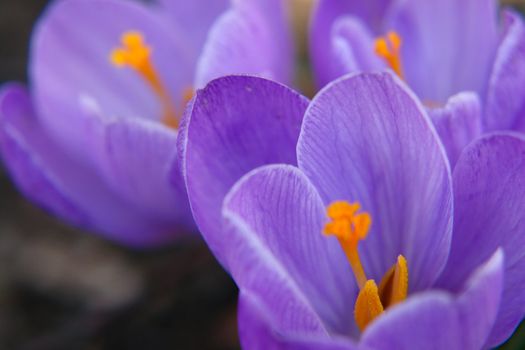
point(94, 138)
point(373, 217)
point(463, 59)
point(360, 237)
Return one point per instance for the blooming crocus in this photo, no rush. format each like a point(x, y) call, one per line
point(365, 240)
point(466, 65)
point(93, 137)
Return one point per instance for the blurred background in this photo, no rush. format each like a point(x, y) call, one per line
point(61, 288)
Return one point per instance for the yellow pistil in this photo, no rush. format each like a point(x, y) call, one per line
point(136, 54)
point(388, 47)
point(350, 226)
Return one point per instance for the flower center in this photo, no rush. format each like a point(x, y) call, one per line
point(388, 48)
point(136, 54)
point(350, 226)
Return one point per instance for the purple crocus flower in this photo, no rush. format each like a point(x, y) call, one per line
point(422, 258)
point(93, 139)
point(464, 64)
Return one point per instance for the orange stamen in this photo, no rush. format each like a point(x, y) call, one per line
point(394, 285)
point(388, 47)
point(368, 305)
point(349, 227)
point(136, 54)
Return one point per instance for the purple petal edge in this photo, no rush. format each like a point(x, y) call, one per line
point(234, 124)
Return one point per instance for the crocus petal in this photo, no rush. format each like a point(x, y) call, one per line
point(71, 70)
point(447, 45)
point(352, 46)
point(16, 113)
point(479, 302)
point(439, 320)
point(257, 264)
point(489, 188)
point(256, 331)
point(254, 324)
point(64, 185)
point(426, 321)
point(365, 138)
point(457, 123)
point(278, 218)
point(324, 17)
point(195, 17)
point(234, 125)
point(251, 38)
point(505, 107)
point(136, 158)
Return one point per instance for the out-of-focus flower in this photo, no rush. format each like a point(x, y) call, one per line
point(416, 263)
point(466, 66)
point(93, 139)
